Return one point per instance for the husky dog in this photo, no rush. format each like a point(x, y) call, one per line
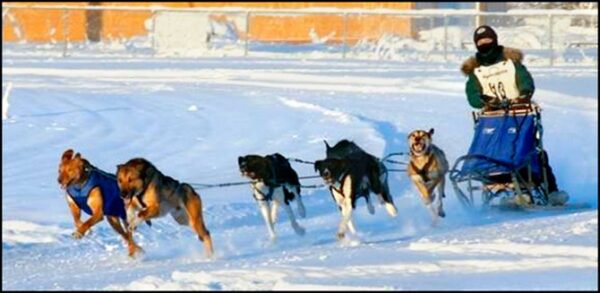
point(274, 183)
point(427, 170)
point(351, 173)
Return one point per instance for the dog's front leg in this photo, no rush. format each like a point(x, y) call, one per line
point(351, 227)
point(125, 233)
point(274, 207)
point(75, 212)
point(95, 203)
point(431, 184)
point(346, 217)
point(440, 196)
point(147, 213)
point(423, 190)
point(264, 209)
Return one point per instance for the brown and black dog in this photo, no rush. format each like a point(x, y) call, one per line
point(427, 170)
point(152, 194)
point(96, 193)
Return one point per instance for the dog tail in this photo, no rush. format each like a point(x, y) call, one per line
point(149, 223)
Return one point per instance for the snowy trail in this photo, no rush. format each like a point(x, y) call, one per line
point(192, 118)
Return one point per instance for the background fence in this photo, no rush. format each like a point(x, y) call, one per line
point(548, 37)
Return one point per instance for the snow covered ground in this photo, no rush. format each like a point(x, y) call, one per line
point(193, 117)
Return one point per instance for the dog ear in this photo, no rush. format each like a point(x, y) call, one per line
point(67, 155)
point(240, 159)
point(326, 144)
point(430, 132)
point(317, 165)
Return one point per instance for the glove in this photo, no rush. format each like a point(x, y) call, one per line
point(490, 102)
point(523, 99)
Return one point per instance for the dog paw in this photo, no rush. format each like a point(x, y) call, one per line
point(77, 235)
point(441, 213)
point(272, 237)
point(299, 230)
point(391, 209)
point(135, 251)
point(132, 225)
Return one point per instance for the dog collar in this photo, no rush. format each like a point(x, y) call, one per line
point(339, 189)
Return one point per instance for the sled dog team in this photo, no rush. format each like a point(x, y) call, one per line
point(140, 192)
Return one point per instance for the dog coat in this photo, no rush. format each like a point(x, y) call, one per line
point(112, 203)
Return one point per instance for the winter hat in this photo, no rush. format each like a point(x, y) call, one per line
point(483, 32)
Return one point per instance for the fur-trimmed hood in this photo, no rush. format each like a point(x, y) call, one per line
point(509, 53)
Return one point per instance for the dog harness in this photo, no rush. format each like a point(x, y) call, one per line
point(422, 172)
point(112, 203)
point(268, 196)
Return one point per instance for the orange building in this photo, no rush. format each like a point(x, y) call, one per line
point(54, 25)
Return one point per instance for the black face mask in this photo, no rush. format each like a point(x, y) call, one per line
point(486, 48)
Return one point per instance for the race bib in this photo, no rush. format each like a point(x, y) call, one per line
point(498, 80)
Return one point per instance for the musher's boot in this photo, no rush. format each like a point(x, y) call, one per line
point(558, 198)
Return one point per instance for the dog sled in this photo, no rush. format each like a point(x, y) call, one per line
point(504, 165)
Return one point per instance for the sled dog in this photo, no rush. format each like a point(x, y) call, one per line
point(149, 194)
point(95, 192)
point(427, 170)
point(351, 173)
point(274, 183)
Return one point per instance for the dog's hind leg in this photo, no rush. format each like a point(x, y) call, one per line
point(279, 196)
point(295, 190)
point(298, 198)
point(351, 227)
point(297, 228)
point(193, 207)
point(301, 209)
point(370, 207)
point(263, 205)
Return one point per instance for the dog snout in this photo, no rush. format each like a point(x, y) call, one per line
point(326, 173)
point(124, 194)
